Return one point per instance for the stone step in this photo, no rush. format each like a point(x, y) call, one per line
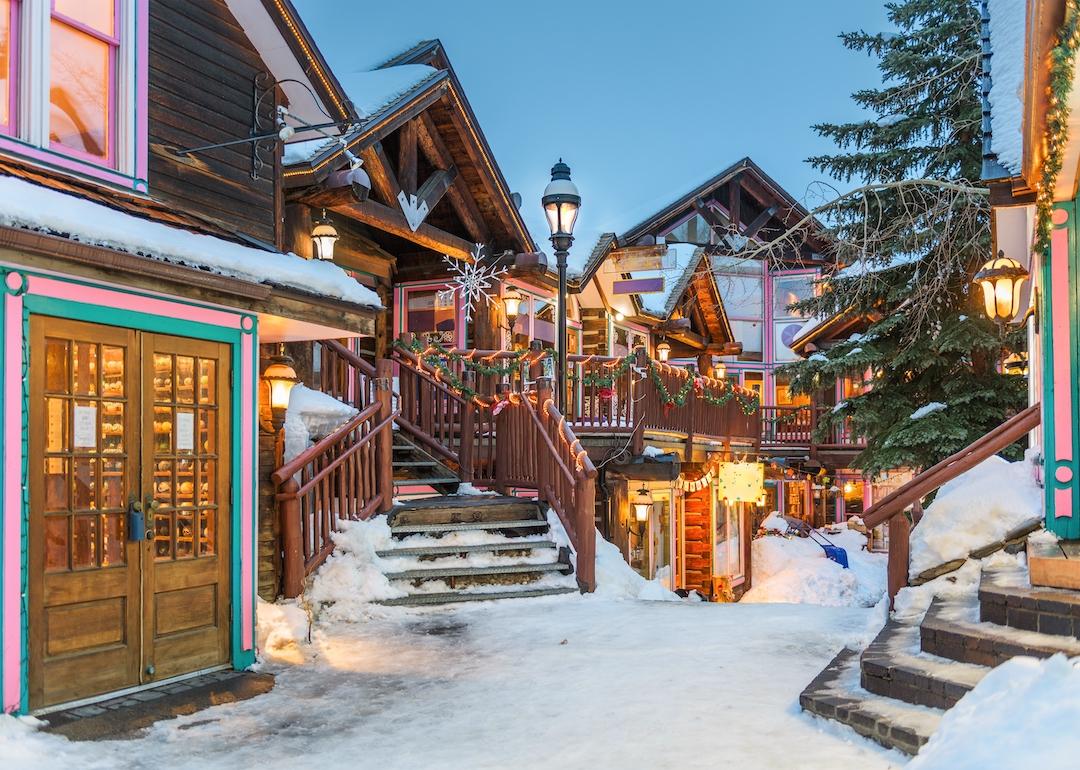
point(464, 508)
point(458, 572)
point(835, 694)
point(455, 550)
point(893, 665)
point(468, 526)
point(953, 630)
point(417, 600)
point(1006, 600)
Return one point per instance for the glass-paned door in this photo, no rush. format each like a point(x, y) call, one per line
point(129, 575)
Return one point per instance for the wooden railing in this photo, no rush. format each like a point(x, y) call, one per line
point(348, 475)
point(892, 507)
point(595, 406)
point(346, 376)
point(802, 426)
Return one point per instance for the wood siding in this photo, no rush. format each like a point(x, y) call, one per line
point(202, 69)
point(697, 529)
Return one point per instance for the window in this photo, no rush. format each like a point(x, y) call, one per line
point(694, 230)
point(431, 314)
point(727, 539)
point(749, 334)
point(789, 289)
point(72, 73)
point(784, 396)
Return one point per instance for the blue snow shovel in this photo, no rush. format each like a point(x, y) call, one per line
point(832, 551)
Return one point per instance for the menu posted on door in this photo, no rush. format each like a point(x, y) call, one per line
point(185, 431)
point(85, 427)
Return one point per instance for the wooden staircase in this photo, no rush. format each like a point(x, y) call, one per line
point(417, 473)
point(896, 691)
point(467, 548)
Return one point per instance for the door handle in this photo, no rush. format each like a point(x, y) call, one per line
point(151, 507)
point(136, 522)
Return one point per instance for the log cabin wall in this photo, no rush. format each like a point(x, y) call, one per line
point(202, 71)
point(697, 531)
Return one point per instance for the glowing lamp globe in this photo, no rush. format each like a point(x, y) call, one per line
point(1001, 280)
point(324, 235)
point(561, 201)
point(280, 377)
point(643, 503)
point(663, 350)
point(512, 306)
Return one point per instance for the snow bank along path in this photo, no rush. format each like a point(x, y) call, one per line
point(573, 682)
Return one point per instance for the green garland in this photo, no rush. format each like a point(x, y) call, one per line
point(607, 380)
point(1062, 73)
point(468, 362)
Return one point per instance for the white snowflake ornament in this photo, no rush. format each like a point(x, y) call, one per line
point(474, 281)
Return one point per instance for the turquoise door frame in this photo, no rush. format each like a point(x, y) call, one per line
point(1059, 319)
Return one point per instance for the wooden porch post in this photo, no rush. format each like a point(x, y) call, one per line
point(468, 432)
point(292, 554)
point(501, 443)
point(544, 472)
point(637, 422)
point(899, 554)
point(384, 444)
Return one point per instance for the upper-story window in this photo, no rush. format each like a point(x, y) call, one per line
point(74, 85)
point(693, 230)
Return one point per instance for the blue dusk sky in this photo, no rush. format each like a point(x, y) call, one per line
point(644, 100)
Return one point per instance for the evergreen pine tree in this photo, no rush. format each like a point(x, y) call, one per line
point(930, 345)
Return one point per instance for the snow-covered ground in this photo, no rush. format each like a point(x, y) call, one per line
point(574, 682)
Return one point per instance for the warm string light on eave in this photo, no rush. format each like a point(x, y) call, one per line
point(283, 12)
point(1062, 76)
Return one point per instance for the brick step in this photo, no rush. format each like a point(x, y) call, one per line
point(953, 630)
point(893, 666)
point(435, 551)
point(399, 530)
point(835, 694)
point(417, 600)
point(436, 573)
point(1005, 600)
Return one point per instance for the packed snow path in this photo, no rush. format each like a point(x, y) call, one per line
point(564, 682)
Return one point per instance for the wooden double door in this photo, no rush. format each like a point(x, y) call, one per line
point(129, 508)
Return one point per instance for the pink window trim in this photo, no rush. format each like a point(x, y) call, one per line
point(91, 167)
point(113, 41)
point(13, 71)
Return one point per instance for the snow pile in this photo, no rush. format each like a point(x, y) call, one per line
point(774, 522)
point(469, 490)
point(869, 266)
point(1022, 714)
point(795, 570)
point(311, 416)
point(974, 510)
point(1008, 27)
point(371, 91)
point(22, 746)
point(927, 409)
point(615, 579)
point(281, 626)
point(31, 207)
point(651, 451)
point(352, 577)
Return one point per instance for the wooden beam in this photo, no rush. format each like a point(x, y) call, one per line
point(432, 191)
point(759, 221)
point(383, 180)
point(461, 199)
point(407, 157)
point(392, 221)
point(709, 214)
point(735, 200)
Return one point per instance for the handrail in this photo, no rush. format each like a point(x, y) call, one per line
point(948, 469)
point(364, 366)
point(425, 372)
point(293, 466)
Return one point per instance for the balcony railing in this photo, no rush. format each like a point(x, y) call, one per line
point(797, 426)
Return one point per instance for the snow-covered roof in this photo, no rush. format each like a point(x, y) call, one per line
point(1007, 30)
point(31, 207)
point(868, 266)
point(372, 90)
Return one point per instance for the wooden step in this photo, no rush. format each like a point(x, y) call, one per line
point(416, 600)
point(893, 666)
point(455, 550)
point(834, 694)
point(467, 526)
point(457, 572)
point(952, 630)
point(426, 482)
point(464, 508)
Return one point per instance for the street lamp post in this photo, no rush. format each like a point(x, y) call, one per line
point(561, 203)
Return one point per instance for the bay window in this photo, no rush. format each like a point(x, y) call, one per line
point(73, 89)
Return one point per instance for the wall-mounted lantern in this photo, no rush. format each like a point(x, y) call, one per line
point(643, 503)
point(663, 351)
point(280, 378)
point(512, 306)
point(1001, 280)
point(719, 370)
point(324, 235)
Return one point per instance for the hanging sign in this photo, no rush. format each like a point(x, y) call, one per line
point(85, 427)
point(740, 482)
point(632, 259)
point(638, 286)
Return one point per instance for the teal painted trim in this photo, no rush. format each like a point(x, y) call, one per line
point(243, 659)
point(134, 319)
point(80, 311)
point(3, 372)
point(1064, 527)
point(24, 668)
